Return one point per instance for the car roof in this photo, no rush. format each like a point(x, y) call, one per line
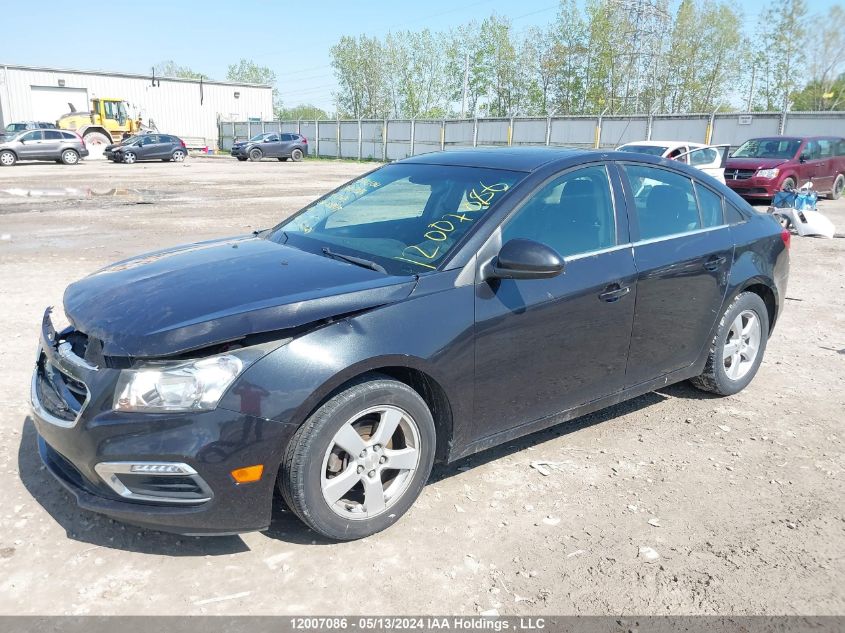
point(525, 159)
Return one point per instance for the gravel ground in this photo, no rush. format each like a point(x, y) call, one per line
point(741, 498)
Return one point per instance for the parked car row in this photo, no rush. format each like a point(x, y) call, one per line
point(51, 144)
point(761, 167)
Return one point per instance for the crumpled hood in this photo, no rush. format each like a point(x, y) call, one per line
point(754, 163)
point(168, 302)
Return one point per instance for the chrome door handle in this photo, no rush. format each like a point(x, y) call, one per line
point(614, 292)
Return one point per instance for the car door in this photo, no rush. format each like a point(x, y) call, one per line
point(147, 147)
point(51, 144)
point(683, 252)
point(289, 141)
point(808, 159)
point(546, 345)
point(29, 145)
point(710, 159)
point(272, 146)
point(824, 169)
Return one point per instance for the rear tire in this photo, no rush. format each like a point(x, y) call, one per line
point(8, 158)
point(296, 155)
point(367, 451)
point(838, 187)
point(255, 154)
point(178, 155)
point(70, 157)
point(738, 347)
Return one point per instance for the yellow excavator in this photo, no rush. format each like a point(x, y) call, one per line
point(107, 122)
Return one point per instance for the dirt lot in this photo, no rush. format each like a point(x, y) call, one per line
point(741, 497)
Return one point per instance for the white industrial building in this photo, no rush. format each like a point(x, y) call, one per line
point(185, 107)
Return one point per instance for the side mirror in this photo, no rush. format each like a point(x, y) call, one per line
point(804, 157)
point(526, 259)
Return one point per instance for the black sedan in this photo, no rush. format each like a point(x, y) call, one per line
point(272, 145)
point(433, 308)
point(165, 147)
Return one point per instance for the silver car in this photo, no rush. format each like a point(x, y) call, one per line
point(57, 145)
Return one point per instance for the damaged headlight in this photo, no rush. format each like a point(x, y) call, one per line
point(193, 385)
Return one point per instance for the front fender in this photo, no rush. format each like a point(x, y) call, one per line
point(430, 332)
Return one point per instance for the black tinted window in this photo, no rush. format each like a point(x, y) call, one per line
point(573, 214)
point(52, 135)
point(840, 147)
point(665, 201)
point(68, 136)
point(287, 137)
point(711, 206)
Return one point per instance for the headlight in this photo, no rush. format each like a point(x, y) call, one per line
point(767, 173)
point(194, 385)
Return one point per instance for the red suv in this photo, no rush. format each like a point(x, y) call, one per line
point(763, 166)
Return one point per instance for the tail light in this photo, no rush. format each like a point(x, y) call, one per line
point(81, 140)
point(305, 140)
point(181, 142)
point(786, 236)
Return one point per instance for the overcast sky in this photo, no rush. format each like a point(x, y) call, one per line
point(291, 38)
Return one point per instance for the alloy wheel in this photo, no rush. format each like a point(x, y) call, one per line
point(129, 157)
point(370, 462)
point(178, 156)
point(7, 159)
point(69, 157)
point(742, 344)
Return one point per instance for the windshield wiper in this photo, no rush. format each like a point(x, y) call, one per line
point(358, 261)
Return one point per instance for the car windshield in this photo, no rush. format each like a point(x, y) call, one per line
point(653, 150)
point(405, 217)
point(768, 148)
point(14, 128)
point(259, 137)
point(129, 140)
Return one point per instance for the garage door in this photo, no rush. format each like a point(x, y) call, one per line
point(51, 102)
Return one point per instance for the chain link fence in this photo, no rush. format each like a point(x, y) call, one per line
point(392, 139)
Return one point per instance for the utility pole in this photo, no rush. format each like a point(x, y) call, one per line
point(466, 86)
point(751, 88)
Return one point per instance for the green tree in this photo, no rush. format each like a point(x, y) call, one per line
point(301, 111)
point(169, 68)
point(826, 53)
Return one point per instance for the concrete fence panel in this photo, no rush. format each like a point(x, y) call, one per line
point(365, 139)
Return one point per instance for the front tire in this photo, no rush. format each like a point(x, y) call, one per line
point(738, 347)
point(256, 154)
point(361, 460)
point(838, 187)
point(129, 158)
point(8, 158)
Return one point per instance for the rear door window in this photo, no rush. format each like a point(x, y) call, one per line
point(52, 135)
point(712, 213)
point(665, 201)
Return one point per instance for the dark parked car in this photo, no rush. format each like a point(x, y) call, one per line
point(763, 166)
point(21, 126)
point(56, 145)
point(272, 145)
point(149, 147)
point(433, 308)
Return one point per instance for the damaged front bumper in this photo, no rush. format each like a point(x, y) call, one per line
point(167, 471)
